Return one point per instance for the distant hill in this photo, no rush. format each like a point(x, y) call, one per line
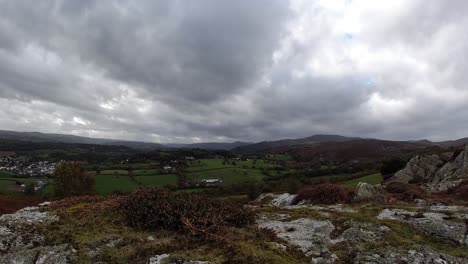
point(62, 138)
point(454, 143)
point(210, 145)
point(313, 140)
point(357, 149)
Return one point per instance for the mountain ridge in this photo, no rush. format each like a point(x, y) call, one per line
point(237, 146)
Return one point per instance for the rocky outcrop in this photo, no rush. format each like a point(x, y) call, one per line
point(435, 172)
point(438, 225)
point(277, 200)
point(310, 236)
point(22, 242)
point(366, 192)
point(165, 258)
point(420, 255)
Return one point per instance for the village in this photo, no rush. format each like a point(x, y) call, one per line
point(22, 166)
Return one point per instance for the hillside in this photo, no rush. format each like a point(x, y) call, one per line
point(359, 149)
point(62, 138)
point(268, 145)
point(210, 145)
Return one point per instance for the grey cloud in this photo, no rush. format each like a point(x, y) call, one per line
point(234, 70)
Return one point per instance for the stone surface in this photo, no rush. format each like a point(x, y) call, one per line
point(165, 259)
point(367, 192)
point(308, 235)
point(435, 172)
point(417, 255)
point(21, 242)
point(277, 200)
point(363, 232)
point(438, 225)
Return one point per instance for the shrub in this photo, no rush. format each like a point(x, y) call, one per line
point(460, 192)
point(324, 194)
point(72, 180)
point(187, 212)
point(10, 204)
point(406, 192)
point(70, 201)
point(29, 189)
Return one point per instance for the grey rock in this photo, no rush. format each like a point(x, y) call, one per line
point(21, 242)
point(441, 229)
point(368, 192)
point(165, 259)
point(434, 224)
point(421, 202)
point(422, 168)
point(363, 232)
point(61, 254)
point(395, 214)
point(423, 255)
point(310, 236)
point(277, 200)
point(435, 172)
point(28, 216)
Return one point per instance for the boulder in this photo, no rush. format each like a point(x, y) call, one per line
point(310, 236)
point(21, 242)
point(419, 168)
point(277, 200)
point(435, 172)
point(165, 258)
point(368, 192)
point(437, 225)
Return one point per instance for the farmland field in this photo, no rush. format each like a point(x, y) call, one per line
point(107, 184)
point(371, 179)
point(229, 175)
point(8, 184)
point(157, 180)
point(213, 164)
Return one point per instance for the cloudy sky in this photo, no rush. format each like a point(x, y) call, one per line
point(210, 70)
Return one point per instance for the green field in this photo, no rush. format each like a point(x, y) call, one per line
point(147, 172)
point(373, 179)
point(212, 164)
point(229, 175)
point(157, 180)
point(5, 174)
point(8, 184)
point(114, 172)
point(107, 184)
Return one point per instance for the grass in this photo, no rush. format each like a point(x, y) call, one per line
point(5, 174)
point(157, 180)
point(146, 172)
point(8, 184)
point(212, 164)
point(107, 184)
point(373, 179)
point(94, 229)
point(114, 172)
point(229, 175)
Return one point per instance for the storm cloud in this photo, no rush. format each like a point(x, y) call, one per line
point(190, 71)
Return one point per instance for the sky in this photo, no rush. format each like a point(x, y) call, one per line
point(250, 70)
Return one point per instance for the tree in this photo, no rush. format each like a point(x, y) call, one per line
point(29, 189)
point(72, 180)
point(389, 167)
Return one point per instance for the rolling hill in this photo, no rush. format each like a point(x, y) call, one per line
point(62, 138)
point(313, 140)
